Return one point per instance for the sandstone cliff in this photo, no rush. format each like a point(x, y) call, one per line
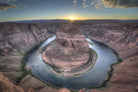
point(16, 39)
point(7, 86)
point(70, 50)
point(118, 35)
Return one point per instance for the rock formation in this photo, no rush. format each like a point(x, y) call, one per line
point(69, 51)
point(17, 38)
point(7, 86)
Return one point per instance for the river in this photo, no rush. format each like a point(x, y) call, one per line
point(93, 78)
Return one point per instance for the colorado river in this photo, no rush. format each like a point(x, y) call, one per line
point(93, 78)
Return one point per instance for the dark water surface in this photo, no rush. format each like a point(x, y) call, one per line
point(93, 78)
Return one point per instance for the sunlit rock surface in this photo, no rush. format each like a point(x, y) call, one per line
point(7, 86)
point(17, 38)
point(69, 51)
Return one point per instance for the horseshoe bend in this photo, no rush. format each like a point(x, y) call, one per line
point(70, 59)
point(77, 56)
point(69, 51)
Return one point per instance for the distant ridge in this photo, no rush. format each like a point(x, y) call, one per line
point(62, 21)
point(35, 21)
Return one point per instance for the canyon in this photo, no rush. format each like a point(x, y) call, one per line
point(70, 50)
point(18, 38)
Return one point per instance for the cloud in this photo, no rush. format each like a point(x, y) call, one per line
point(109, 3)
point(7, 0)
point(74, 1)
point(5, 6)
point(119, 3)
point(85, 6)
point(92, 3)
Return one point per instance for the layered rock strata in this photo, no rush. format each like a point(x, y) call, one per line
point(7, 86)
point(122, 36)
point(69, 51)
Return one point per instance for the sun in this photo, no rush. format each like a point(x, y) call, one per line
point(72, 18)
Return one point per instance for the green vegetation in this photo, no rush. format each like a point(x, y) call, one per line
point(110, 72)
point(94, 53)
point(22, 69)
point(90, 43)
point(26, 72)
point(23, 64)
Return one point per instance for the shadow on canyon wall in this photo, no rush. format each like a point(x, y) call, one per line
point(17, 38)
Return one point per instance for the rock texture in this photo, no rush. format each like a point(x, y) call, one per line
point(16, 39)
point(123, 37)
point(36, 85)
point(116, 34)
point(70, 50)
point(7, 86)
point(63, 90)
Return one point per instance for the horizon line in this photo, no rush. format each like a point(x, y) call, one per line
point(65, 19)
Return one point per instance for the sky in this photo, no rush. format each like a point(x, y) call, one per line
point(14, 10)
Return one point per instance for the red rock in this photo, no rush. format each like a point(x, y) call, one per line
point(70, 50)
point(20, 37)
point(63, 90)
point(82, 90)
point(7, 86)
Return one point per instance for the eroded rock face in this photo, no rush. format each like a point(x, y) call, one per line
point(31, 84)
point(15, 40)
point(69, 51)
point(114, 34)
point(7, 86)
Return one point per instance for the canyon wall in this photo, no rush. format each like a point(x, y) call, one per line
point(17, 38)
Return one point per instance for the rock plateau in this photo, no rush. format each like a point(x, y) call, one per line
point(69, 51)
